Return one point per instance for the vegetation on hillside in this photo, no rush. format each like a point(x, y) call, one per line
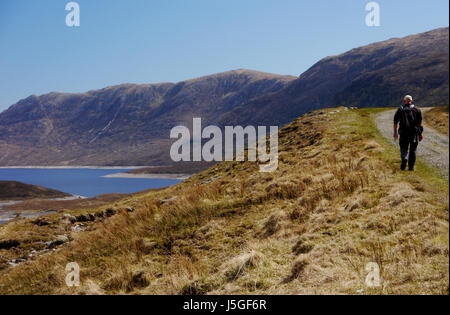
point(12, 190)
point(438, 119)
point(337, 202)
point(187, 168)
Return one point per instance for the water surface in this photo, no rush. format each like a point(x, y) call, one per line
point(85, 182)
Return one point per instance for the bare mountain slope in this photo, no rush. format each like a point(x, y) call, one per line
point(376, 75)
point(121, 125)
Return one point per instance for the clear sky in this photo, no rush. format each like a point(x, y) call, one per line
point(149, 41)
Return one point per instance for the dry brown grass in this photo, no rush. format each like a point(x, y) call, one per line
point(335, 203)
point(438, 119)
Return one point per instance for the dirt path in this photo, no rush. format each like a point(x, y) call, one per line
point(433, 149)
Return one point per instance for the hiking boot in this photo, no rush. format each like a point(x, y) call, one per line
point(411, 169)
point(404, 162)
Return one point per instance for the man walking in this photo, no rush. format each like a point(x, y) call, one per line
point(411, 129)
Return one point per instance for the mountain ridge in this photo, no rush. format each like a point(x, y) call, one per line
point(126, 116)
point(375, 75)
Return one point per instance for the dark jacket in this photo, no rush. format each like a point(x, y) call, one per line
point(410, 119)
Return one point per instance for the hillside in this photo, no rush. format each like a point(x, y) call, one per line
point(375, 75)
point(438, 119)
point(129, 124)
point(121, 125)
point(11, 190)
point(336, 203)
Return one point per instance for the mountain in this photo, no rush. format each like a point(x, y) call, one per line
point(127, 124)
point(11, 190)
point(376, 75)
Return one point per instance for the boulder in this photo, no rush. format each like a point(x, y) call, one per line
point(85, 218)
point(59, 240)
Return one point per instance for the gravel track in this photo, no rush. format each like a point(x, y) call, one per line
point(433, 149)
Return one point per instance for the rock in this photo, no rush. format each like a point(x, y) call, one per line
point(110, 212)
point(8, 244)
point(148, 245)
point(299, 266)
point(67, 218)
point(315, 114)
point(271, 187)
point(210, 180)
point(81, 218)
point(40, 222)
point(197, 287)
point(272, 225)
point(16, 262)
point(59, 240)
point(352, 206)
point(85, 217)
point(167, 200)
point(129, 209)
point(139, 280)
point(79, 227)
point(302, 247)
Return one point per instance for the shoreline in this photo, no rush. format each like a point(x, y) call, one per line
point(9, 215)
point(7, 202)
point(154, 176)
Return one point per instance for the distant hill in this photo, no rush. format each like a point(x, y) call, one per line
point(12, 190)
point(129, 124)
point(377, 75)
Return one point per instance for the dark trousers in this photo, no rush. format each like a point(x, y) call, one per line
point(408, 144)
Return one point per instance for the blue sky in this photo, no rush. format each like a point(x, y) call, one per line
point(149, 41)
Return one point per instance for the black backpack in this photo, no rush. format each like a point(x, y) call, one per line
point(408, 121)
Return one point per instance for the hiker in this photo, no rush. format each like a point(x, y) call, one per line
point(411, 129)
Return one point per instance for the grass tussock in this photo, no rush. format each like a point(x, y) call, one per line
point(335, 204)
